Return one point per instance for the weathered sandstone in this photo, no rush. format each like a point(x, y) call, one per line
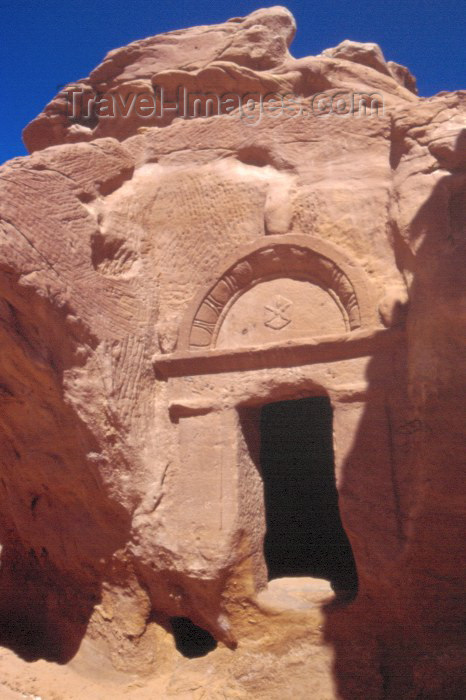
point(161, 281)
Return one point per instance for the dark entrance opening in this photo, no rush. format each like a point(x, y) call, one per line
point(305, 536)
point(191, 641)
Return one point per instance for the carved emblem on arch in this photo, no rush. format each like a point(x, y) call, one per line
point(290, 256)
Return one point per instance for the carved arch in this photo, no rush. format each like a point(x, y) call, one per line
point(289, 256)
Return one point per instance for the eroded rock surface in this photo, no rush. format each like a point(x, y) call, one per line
point(161, 280)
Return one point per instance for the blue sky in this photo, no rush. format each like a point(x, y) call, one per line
point(46, 43)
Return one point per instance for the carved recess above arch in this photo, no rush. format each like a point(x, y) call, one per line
point(279, 289)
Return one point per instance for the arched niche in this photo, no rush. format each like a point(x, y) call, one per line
point(279, 289)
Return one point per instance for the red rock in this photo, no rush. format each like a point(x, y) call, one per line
point(164, 280)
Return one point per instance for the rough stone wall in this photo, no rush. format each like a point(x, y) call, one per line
point(106, 235)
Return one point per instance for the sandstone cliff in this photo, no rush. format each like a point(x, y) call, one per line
point(108, 232)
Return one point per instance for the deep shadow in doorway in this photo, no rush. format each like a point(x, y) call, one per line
point(305, 535)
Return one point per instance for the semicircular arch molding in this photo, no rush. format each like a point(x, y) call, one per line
point(296, 257)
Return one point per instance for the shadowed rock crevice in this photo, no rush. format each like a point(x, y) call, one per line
point(191, 641)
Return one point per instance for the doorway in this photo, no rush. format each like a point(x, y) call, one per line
point(305, 535)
